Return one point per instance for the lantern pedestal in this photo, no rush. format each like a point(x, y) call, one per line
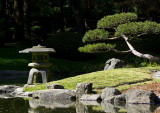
point(39, 68)
point(33, 75)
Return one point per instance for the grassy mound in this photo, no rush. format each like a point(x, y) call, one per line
point(120, 78)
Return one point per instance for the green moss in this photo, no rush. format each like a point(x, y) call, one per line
point(97, 108)
point(120, 78)
point(122, 111)
point(27, 98)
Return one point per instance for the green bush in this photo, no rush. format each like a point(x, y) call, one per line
point(96, 48)
point(94, 35)
point(115, 20)
point(65, 44)
point(135, 28)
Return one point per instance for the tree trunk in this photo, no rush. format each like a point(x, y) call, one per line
point(3, 10)
point(138, 54)
point(27, 27)
point(2, 25)
point(18, 20)
point(78, 9)
point(86, 9)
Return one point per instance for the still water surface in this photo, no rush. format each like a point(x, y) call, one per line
point(19, 105)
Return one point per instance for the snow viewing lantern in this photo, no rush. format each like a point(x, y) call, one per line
point(40, 63)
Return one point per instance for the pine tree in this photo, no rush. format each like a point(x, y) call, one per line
point(126, 28)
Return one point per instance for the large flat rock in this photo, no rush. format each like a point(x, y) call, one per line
point(94, 97)
point(55, 94)
point(139, 96)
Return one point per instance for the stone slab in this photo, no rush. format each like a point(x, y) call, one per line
point(55, 94)
point(94, 97)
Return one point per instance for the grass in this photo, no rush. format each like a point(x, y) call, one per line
point(120, 78)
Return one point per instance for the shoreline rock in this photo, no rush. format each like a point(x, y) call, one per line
point(8, 88)
point(55, 94)
point(109, 94)
point(83, 88)
point(93, 97)
point(140, 97)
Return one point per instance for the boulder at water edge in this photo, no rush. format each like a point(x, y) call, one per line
point(83, 88)
point(139, 96)
point(55, 94)
point(109, 94)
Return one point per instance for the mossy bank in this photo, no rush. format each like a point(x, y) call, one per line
point(122, 79)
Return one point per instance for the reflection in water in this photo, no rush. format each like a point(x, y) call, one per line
point(90, 103)
point(13, 105)
point(19, 105)
point(109, 108)
point(140, 108)
point(80, 108)
point(49, 106)
point(53, 104)
point(86, 107)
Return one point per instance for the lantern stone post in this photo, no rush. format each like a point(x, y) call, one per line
point(40, 63)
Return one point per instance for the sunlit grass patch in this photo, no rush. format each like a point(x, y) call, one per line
point(102, 79)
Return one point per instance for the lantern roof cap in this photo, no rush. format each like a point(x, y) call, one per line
point(38, 49)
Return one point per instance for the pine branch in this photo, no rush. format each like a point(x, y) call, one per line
point(117, 51)
point(138, 54)
point(100, 51)
point(113, 38)
point(141, 34)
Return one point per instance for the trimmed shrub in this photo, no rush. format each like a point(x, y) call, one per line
point(112, 21)
point(65, 44)
point(96, 48)
point(95, 35)
point(135, 28)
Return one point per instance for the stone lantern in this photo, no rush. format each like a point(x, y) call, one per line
point(40, 63)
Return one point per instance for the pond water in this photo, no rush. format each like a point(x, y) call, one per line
point(20, 105)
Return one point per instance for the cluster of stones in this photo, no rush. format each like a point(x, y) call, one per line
point(111, 99)
point(84, 92)
point(112, 95)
